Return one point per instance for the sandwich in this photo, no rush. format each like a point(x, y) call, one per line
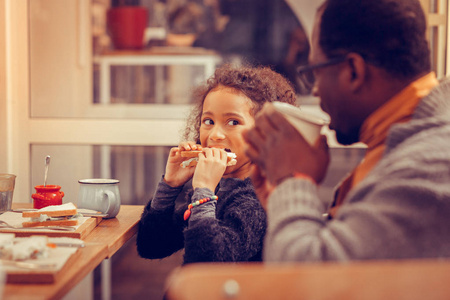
point(192, 158)
point(53, 215)
point(6, 243)
point(17, 249)
point(32, 247)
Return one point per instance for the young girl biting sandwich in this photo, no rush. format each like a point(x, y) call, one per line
point(211, 209)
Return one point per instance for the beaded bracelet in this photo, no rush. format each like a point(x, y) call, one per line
point(187, 213)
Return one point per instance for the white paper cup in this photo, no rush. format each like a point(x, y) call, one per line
point(308, 125)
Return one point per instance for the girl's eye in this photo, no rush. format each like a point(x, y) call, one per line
point(233, 122)
point(208, 122)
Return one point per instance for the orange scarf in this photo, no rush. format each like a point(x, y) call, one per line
point(375, 129)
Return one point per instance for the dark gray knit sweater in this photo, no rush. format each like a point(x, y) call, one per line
point(230, 229)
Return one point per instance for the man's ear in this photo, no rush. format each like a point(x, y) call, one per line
point(357, 71)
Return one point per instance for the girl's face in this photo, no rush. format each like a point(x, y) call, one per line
point(226, 114)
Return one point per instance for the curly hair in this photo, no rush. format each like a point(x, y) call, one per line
point(390, 34)
point(259, 84)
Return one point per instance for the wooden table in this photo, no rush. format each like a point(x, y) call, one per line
point(101, 243)
point(369, 280)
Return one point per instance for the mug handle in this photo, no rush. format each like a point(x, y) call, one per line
point(111, 197)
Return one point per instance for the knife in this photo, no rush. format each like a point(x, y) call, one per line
point(62, 244)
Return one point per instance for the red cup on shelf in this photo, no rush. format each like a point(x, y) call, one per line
point(126, 26)
point(47, 195)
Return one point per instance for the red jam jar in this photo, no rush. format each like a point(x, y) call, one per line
point(47, 195)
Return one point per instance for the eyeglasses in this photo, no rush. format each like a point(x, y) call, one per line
point(305, 73)
point(334, 61)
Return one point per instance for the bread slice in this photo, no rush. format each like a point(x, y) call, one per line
point(68, 209)
point(190, 153)
point(193, 155)
point(66, 222)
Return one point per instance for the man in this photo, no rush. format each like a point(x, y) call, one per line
point(372, 73)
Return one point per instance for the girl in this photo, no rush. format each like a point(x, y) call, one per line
point(228, 224)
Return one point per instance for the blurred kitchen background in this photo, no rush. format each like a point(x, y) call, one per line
point(111, 108)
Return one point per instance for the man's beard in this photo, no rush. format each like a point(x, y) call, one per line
point(347, 139)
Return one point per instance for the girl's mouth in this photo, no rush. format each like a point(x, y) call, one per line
point(221, 147)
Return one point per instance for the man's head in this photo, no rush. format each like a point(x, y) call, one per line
point(378, 47)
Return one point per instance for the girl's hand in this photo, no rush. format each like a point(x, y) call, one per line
point(210, 168)
point(176, 175)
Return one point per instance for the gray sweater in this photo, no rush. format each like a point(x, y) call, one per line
point(400, 210)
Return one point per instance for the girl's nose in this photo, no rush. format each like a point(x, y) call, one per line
point(217, 133)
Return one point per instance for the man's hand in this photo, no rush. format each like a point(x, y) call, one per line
point(279, 150)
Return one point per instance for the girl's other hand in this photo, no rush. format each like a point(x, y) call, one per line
point(187, 146)
point(210, 168)
point(176, 175)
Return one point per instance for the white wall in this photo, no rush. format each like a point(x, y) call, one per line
point(14, 92)
point(60, 57)
point(305, 10)
point(3, 106)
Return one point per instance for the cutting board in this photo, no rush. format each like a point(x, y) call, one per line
point(65, 257)
point(82, 230)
